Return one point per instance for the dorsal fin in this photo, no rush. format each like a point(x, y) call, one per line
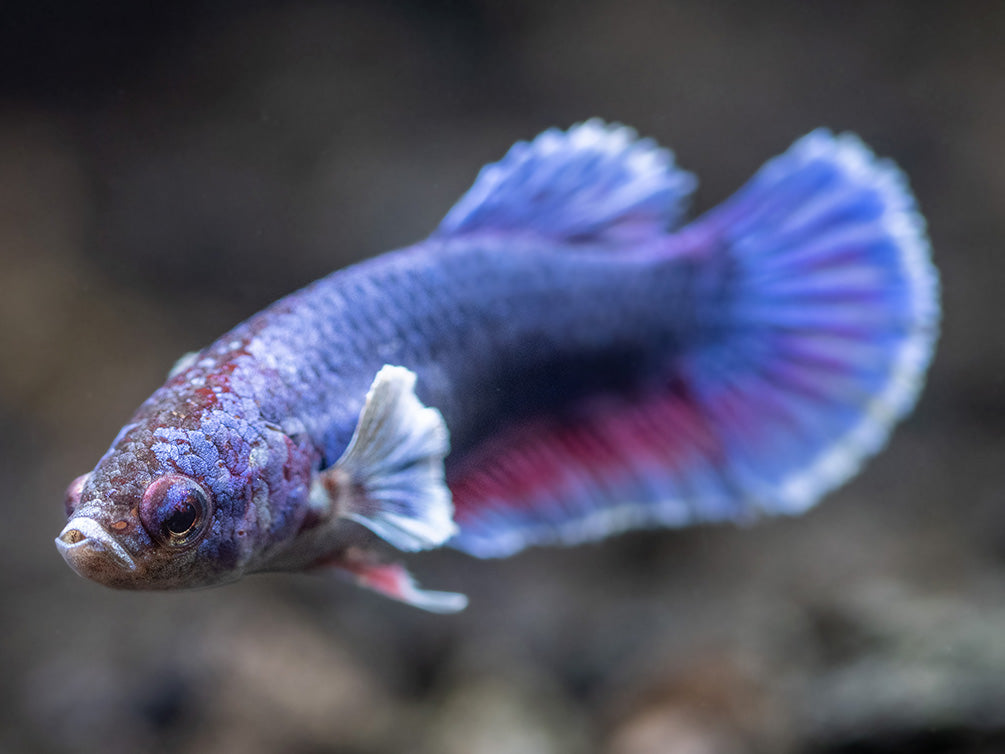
point(596, 182)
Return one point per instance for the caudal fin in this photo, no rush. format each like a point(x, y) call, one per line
point(829, 324)
point(834, 318)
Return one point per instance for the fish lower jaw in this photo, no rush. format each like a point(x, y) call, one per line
point(91, 551)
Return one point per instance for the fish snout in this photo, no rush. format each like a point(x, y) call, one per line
point(90, 550)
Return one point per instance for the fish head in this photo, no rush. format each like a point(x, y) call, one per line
point(148, 541)
point(184, 500)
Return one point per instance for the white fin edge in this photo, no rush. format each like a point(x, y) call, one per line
point(905, 227)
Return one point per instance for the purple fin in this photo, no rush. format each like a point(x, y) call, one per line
point(595, 182)
point(830, 321)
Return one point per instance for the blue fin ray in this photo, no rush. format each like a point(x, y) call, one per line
point(838, 298)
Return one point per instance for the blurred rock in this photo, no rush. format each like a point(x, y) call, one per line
point(719, 703)
point(512, 710)
point(929, 664)
point(273, 682)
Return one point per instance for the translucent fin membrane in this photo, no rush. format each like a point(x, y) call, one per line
point(393, 468)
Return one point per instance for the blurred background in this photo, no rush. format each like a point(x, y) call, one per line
point(168, 169)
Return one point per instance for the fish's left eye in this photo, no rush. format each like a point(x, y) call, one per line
point(175, 510)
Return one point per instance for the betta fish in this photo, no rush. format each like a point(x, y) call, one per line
point(563, 359)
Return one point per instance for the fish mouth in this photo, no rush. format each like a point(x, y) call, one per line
point(84, 544)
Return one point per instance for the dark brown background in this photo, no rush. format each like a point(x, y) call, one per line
point(168, 169)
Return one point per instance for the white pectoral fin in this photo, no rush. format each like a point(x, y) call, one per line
point(390, 478)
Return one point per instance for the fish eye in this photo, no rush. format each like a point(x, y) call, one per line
point(175, 510)
point(73, 493)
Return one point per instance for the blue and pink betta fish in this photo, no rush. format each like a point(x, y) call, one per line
point(557, 363)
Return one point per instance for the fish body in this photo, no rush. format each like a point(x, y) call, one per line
point(556, 363)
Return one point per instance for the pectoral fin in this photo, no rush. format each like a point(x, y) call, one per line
point(390, 478)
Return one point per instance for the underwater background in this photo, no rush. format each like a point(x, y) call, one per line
point(166, 170)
